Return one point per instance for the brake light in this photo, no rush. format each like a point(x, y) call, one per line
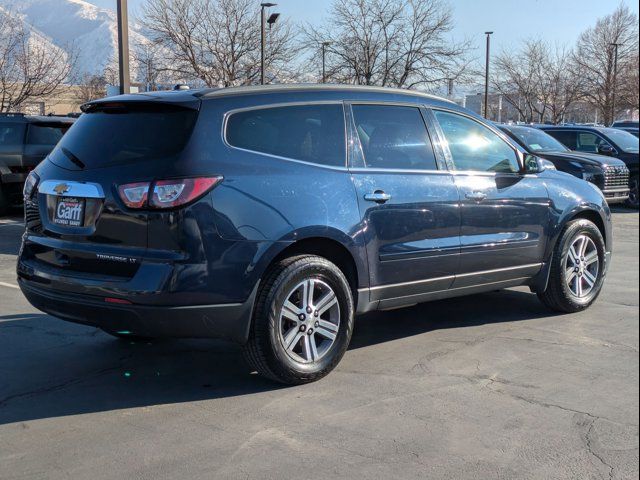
point(173, 193)
point(166, 193)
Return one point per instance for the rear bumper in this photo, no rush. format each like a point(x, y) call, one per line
point(226, 321)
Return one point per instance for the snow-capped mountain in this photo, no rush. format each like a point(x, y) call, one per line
point(76, 24)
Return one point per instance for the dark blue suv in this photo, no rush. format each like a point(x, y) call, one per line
point(271, 216)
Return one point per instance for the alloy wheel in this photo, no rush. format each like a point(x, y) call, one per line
point(309, 321)
point(582, 266)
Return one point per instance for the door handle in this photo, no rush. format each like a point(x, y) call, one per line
point(378, 196)
point(476, 196)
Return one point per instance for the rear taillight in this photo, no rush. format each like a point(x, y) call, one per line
point(163, 194)
point(134, 195)
point(30, 185)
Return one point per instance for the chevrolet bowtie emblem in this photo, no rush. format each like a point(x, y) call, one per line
point(61, 188)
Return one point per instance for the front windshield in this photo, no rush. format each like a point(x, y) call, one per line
point(626, 141)
point(536, 140)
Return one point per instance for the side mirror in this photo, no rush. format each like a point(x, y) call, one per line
point(606, 149)
point(533, 164)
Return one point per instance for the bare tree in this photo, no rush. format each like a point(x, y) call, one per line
point(217, 41)
point(151, 64)
point(399, 43)
point(519, 78)
point(538, 80)
point(91, 87)
point(595, 58)
point(29, 68)
point(629, 84)
point(561, 85)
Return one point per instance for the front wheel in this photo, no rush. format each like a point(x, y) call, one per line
point(303, 320)
point(577, 268)
point(632, 202)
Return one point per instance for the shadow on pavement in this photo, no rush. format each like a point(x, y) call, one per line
point(50, 368)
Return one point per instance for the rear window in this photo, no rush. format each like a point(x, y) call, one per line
point(11, 134)
point(125, 133)
point(311, 133)
point(45, 134)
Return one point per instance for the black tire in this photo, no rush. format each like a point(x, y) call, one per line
point(265, 351)
point(632, 202)
point(127, 336)
point(558, 296)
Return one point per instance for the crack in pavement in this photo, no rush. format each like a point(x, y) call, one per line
point(60, 386)
point(593, 452)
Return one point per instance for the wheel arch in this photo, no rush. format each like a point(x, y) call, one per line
point(329, 248)
point(599, 216)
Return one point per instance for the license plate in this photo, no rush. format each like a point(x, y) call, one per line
point(69, 212)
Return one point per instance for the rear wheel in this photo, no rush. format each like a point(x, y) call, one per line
point(577, 268)
point(633, 193)
point(303, 320)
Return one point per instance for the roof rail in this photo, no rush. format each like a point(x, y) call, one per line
point(12, 114)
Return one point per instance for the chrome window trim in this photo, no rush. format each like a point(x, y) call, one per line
point(230, 113)
point(397, 170)
point(76, 189)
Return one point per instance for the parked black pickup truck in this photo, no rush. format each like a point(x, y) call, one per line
point(25, 140)
point(607, 173)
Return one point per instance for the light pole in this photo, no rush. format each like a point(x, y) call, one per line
point(263, 37)
point(324, 61)
point(123, 48)
point(615, 81)
point(486, 76)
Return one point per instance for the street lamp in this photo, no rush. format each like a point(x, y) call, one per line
point(324, 63)
point(263, 33)
point(615, 81)
point(123, 48)
point(486, 76)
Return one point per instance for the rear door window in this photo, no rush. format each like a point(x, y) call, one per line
point(44, 134)
point(567, 138)
point(115, 134)
point(310, 133)
point(394, 137)
point(11, 134)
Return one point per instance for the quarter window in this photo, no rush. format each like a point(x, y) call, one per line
point(311, 133)
point(475, 147)
point(394, 137)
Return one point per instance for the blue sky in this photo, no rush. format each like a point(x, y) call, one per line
point(558, 21)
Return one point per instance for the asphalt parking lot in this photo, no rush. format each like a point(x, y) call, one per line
point(490, 386)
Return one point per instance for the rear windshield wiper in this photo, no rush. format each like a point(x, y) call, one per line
point(72, 157)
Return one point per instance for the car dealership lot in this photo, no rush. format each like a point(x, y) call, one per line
point(489, 386)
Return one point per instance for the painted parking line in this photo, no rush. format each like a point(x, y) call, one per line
point(9, 285)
